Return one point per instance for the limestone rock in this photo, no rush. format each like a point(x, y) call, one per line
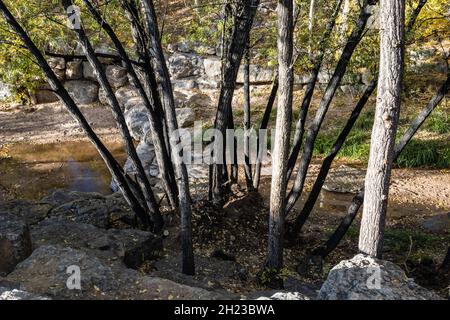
point(117, 76)
point(82, 91)
point(366, 278)
point(74, 70)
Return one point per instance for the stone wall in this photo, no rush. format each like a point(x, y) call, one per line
point(191, 73)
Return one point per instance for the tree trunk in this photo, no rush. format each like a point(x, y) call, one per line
point(326, 164)
point(282, 135)
point(392, 20)
point(188, 266)
point(263, 126)
point(239, 38)
point(247, 121)
point(333, 84)
point(306, 102)
point(312, 4)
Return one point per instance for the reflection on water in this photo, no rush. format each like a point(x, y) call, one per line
point(32, 171)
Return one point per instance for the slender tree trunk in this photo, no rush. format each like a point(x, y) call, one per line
point(239, 38)
point(310, 87)
point(326, 164)
point(188, 266)
point(392, 20)
point(247, 121)
point(333, 84)
point(65, 98)
point(263, 126)
point(282, 135)
point(312, 10)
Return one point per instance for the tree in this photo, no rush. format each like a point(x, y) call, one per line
point(392, 20)
point(282, 135)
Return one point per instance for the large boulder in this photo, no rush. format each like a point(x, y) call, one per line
point(82, 91)
point(15, 242)
point(89, 72)
point(28, 211)
point(48, 271)
point(366, 278)
point(126, 93)
point(90, 208)
point(117, 76)
point(74, 70)
point(130, 245)
point(137, 121)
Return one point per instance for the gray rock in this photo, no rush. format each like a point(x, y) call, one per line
point(56, 63)
point(45, 273)
point(127, 93)
point(74, 70)
point(185, 84)
point(185, 117)
point(130, 245)
point(89, 72)
point(213, 68)
point(366, 278)
point(15, 294)
point(28, 211)
point(258, 74)
point(5, 91)
point(366, 76)
point(133, 102)
point(117, 76)
point(146, 153)
point(345, 179)
point(324, 76)
point(182, 66)
point(15, 242)
point(82, 91)
point(199, 100)
point(137, 121)
point(45, 96)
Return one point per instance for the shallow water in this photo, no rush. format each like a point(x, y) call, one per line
point(33, 171)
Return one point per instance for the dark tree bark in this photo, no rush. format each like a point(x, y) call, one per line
point(188, 266)
point(160, 137)
point(243, 20)
point(309, 91)
point(96, 64)
point(333, 84)
point(371, 235)
point(263, 126)
point(294, 231)
point(71, 106)
point(282, 136)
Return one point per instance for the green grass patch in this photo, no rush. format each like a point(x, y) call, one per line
point(438, 122)
point(425, 153)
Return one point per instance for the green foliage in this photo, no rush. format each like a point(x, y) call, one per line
point(424, 153)
point(438, 122)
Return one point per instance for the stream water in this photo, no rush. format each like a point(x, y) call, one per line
point(32, 171)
